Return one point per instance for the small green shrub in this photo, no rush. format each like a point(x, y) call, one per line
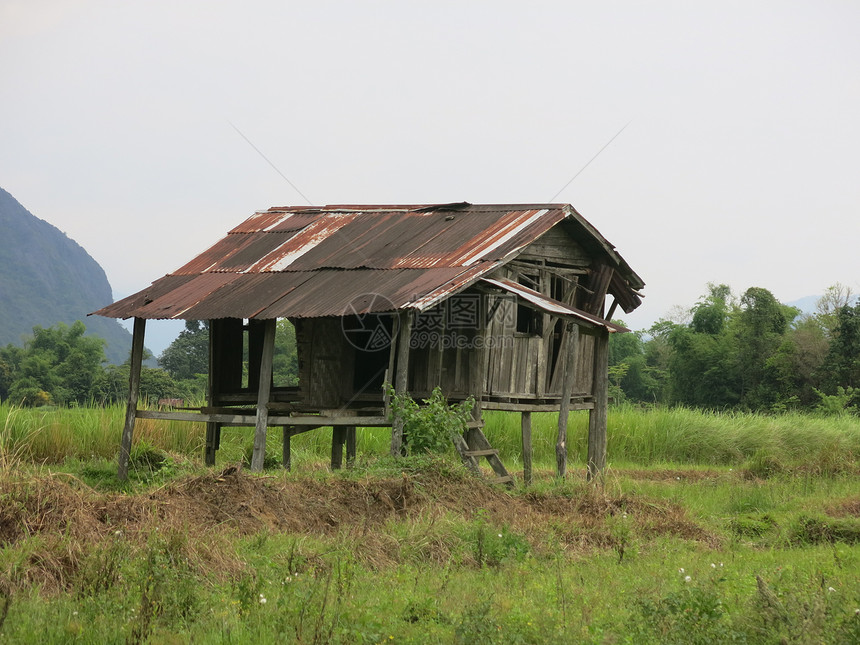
point(825, 530)
point(491, 546)
point(764, 464)
point(692, 615)
point(752, 525)
point(477, 625)
point(429, 427)
point(425, 610)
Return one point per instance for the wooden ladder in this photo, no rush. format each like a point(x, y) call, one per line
point(474, 445)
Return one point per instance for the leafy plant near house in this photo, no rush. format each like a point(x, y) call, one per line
point(429, 427)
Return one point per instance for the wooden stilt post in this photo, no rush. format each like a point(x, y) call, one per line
point(567, 380)
point(133, 389)
point(350, 446)
point(401, 379)
point(265, 387)
point(209, 450)
point(286, 453)
point(212, 428)
point(338, 436)
point(527, 447)
point(597, 417)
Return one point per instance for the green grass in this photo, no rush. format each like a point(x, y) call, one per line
point(768, 443)
point(761, 512)
point(465, 578)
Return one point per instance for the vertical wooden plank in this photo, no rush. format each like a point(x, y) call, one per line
point(401, 379)
point(567, 380)
point(286, 453)
point(338, 436)
point(597, 417)
point(265, 385)
point(526, 423)
point(133, 389)
point(350, 446)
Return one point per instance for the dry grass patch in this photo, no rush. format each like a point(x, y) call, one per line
point(382, 520)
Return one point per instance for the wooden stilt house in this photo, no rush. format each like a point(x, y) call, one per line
point(509, 303)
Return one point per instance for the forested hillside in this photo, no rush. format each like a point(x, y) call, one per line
point(47, 278)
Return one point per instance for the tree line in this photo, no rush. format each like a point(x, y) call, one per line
point(724, 353)
point(745, 353)
point(59, 365)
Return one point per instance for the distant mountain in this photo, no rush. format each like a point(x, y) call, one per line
point(806, 304)
point(46, 278)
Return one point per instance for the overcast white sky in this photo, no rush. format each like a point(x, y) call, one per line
point(740, 164)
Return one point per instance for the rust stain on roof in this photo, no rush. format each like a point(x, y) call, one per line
point(318, 261)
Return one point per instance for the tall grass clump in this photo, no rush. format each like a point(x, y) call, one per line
point(686, 436)
point(50, 435)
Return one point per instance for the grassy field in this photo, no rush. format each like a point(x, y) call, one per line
point(706, 528)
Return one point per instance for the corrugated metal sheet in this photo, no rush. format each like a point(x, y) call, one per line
point(312, 262)
point(550, 305)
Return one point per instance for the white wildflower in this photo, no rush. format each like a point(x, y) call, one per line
point(831, 589)
point(713, 566)
point(681, 570)
point(687, 579)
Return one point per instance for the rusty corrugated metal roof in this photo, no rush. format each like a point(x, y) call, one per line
point(317, 261)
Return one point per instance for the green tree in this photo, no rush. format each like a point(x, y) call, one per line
point(841, 366)
point(827, 307)
point(285, 363)
point(188, 354)
point(712, 313)
point(632, 377)
point(10, 359)
point(759, 328)
point(58, 364)
point(155, 383)
point(703, 370)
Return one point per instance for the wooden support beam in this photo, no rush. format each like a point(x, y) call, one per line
point(312, 420)
point(350, 446)
point(597, 418)
point(265, 386)
point(133, 389)
point(401, 379)
point(526, 423)
point(567, 380)
point(286, 452)
point(338, 437)
point(536, 407)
